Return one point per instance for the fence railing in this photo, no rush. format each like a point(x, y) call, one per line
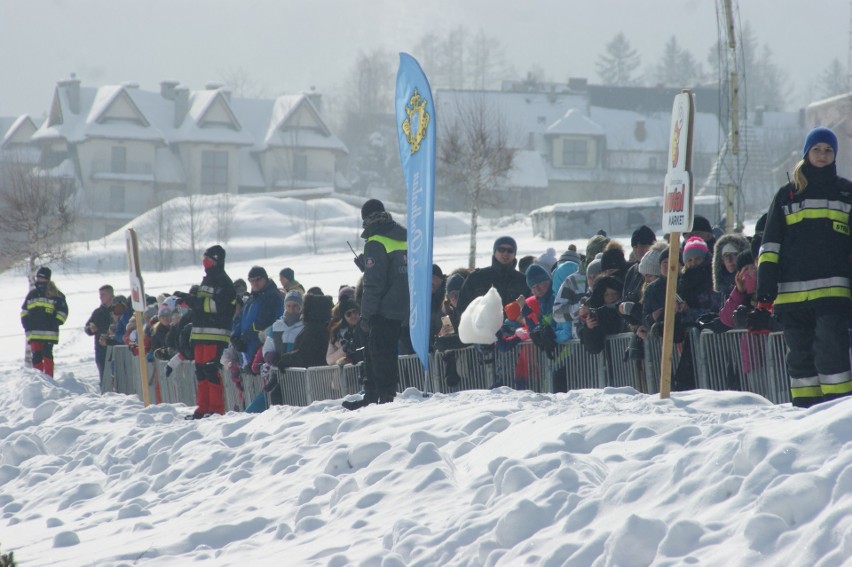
point(735, 360)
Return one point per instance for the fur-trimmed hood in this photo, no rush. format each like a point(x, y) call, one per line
point(740, 242)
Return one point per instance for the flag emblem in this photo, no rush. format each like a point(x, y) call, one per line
point(414, 127)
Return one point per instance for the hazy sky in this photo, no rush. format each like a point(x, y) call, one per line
point(291, 45)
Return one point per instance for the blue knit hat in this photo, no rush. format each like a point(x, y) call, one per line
point(819, 135)
point(536, 274)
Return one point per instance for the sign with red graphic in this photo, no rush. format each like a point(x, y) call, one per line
point(677, 196)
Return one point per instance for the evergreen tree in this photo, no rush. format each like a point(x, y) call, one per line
point(762, 82)
point(833, 80)
point(617, 64)
point(678, 67)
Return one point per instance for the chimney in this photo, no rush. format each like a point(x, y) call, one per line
point(130, 85)
point(213, 85)
point(167, 89)
point(578, 84)
point(72, 91)
point(315, 98)
point(758, 116)
point(181, 104)
point(639, 131)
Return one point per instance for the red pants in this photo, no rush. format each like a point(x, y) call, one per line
point(210, 395)
point(42, 356)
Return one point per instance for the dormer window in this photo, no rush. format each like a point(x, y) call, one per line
point(574, 152)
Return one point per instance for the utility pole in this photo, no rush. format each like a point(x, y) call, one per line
point(733, 216)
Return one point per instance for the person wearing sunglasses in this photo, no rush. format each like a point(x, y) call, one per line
point(501, 274)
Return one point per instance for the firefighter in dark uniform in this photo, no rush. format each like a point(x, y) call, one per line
point(43, 311)
point(804, 273)
point(213, 306)
point(384, 302)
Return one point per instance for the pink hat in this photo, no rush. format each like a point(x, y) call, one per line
point(695, 247)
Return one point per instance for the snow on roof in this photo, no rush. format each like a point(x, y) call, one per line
point(627, 130)
point(528, 171)
point(523, 114)
point(168, 168)
point(615, 203)
point(253, 121)
point(250, 173)
point(574, 122)
point(9, 126)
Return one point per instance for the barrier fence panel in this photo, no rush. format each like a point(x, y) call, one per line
point(620, 369)
point(735, 360)
point(325, 383)
point(776, 366)
point(583, 369)
point(411, 373)
point(653, 355)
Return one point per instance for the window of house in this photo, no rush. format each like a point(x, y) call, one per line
point(300, 167)
point(119, 160)
point(214, 172)
point(116, 199)
point(575, 152)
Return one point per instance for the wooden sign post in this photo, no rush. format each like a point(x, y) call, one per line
point(677, 218)
point(137, 299)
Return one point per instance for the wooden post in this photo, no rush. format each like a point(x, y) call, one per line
point(669, 316)
point(137, 300)
point(143, 361)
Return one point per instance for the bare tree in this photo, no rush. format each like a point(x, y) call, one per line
point(224, 217)
point(242, 84)
point(158, 244)
point(372, 82)
point(486, 63)
point(38, 212)
point(190, 222)
point(474, 156)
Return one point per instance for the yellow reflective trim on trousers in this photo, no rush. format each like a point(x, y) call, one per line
point(802, 296)
point(812, 214)
point(809, 392)
point(842, 388)
point(390, 244)
point(770, 257)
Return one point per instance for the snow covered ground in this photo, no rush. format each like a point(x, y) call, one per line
point(592, 477)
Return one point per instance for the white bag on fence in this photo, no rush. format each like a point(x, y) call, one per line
point(482, 319)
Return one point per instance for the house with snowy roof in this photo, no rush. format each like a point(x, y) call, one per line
point(130, 149)
point(16, 139)
point(768, 147)
point(576, 143)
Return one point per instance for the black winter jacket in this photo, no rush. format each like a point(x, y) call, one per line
point(213, 308)
point(41, 315)
point(509, 282)
point(311, 345)
point(385, 289)
point(805, 253)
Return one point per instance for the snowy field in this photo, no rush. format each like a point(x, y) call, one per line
point(589, 478)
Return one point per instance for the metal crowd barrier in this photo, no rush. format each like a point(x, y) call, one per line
point(735, 360)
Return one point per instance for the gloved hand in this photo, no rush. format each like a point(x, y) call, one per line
point(265, 369)
point(760, 320)
point(544, 337)
point(239, 344)
point(359, 261)
point(255, 367)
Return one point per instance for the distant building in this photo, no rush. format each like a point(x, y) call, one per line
point(578, 142)
point(129, 149)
